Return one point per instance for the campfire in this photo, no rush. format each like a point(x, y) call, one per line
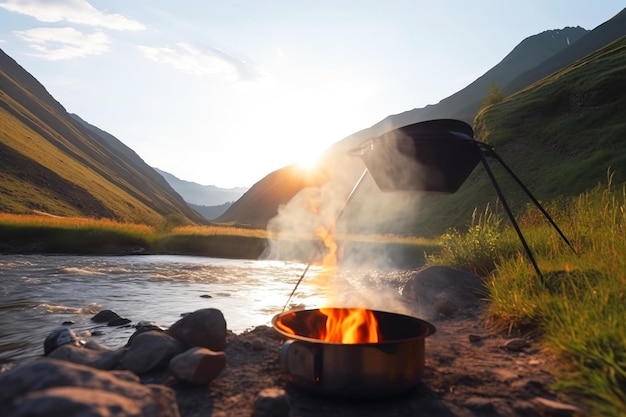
point(352, 352)
point(334, 325)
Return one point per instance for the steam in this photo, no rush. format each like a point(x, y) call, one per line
point(367, 275)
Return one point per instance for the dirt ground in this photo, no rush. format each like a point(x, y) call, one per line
point(468, 372)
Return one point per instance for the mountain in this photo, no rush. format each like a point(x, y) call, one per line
point(203, 195)
point(342, 170)
point(464, 104)
point(55, 162)
point(208, 200)
point(211, 212)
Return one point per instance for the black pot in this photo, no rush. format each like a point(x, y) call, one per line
point(431, 156)
point(392, 366)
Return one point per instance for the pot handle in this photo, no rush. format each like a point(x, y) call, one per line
point(301, 360)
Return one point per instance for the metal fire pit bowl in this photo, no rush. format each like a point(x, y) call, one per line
point(390, 367)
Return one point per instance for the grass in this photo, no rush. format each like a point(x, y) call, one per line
point(579, 308)
point(40, 233)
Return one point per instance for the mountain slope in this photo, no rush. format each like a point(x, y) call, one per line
point(53, 162)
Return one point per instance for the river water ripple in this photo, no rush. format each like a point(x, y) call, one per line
point(38, 293)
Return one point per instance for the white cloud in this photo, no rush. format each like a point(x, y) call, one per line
point(192, 60)
point(64, 43)
point(72, 11)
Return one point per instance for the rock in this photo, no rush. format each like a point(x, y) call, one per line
point(516, 344)
point(100, 359)
point(271, 402)
point(555, 408)
point(442, 291)
point(142, 327)
point(198, 365)
point(202, 328)
point(120, 321)
point(149, 351)
point(49, 387)
point(59, 337)
point(105, 316)
point(90, 344)
point(76, 401)
point(68, 323)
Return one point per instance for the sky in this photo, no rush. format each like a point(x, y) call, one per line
point(225, 92)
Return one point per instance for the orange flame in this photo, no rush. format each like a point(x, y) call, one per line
point(350, 325)
point(330, 259)
point(335, 325)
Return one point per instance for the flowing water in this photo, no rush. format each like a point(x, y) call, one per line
point(39, 293)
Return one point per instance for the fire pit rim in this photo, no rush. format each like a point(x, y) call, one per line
point(430, 329)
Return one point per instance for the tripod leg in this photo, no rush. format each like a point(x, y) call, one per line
point(511, 217)
point(534, 200)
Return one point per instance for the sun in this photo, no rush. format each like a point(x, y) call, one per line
point(308, 161)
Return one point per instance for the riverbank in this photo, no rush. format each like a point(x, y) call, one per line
point(469, 368)
point(39, 234)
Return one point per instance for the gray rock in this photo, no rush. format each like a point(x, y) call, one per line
point(120, 321)
point(149, 351)
point(442, 291)
point(50, 387)
point(101, 359)
point(75, 401)
point(516, 344)
point(198, 365)
point(90, 344)
point(105, 316)
point(142, 327)
point(202, 328)
point(59, 337)
point(271, 402)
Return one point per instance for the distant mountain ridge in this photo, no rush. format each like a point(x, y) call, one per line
point(202, 195)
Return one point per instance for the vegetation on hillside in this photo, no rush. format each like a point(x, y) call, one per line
point(559, 136)
point(53, 163)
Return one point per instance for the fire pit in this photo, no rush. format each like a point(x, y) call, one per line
point(352, 352)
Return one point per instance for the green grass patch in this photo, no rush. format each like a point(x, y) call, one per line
point(579, 307)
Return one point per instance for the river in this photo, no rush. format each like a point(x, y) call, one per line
point(39, 293)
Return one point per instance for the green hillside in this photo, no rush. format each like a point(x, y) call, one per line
point(52, 163)
point(560, 136)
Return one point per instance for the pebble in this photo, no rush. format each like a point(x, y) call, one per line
point(271, 402)
point(481, 404)
point(474, 338)
point(555, 408)
point(516, 344)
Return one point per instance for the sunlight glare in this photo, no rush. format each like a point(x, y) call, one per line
point(308, 160)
